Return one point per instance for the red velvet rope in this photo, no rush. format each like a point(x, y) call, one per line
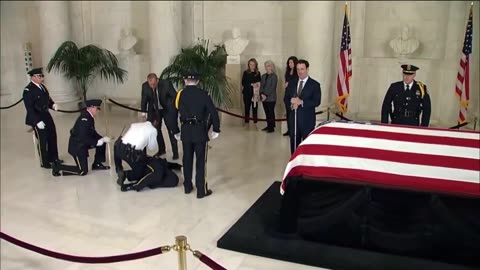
point(259, 119)
point(81, 259)
point(218, 109)
point(207, 261)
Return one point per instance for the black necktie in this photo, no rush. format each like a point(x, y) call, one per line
point(407, 88)
point(300, 88)
point(155, 100)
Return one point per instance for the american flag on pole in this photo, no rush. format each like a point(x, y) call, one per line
point(391, 156)
point(462, 89)
point(345, 65)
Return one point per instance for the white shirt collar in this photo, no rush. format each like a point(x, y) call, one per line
point(90, 113)
point(409, 85)
point(304, 80)
point(38, 85)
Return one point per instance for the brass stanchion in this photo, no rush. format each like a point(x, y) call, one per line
point(181, 247)
point(109, 154)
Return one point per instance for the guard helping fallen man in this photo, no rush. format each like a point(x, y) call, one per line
point(145, 171)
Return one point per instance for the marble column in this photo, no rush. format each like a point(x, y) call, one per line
point(55, 29)
point(315, 43)
point(357, 11)
point(165, 21)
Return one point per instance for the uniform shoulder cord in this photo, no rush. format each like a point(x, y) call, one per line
point(422, 89)
point(177, 98)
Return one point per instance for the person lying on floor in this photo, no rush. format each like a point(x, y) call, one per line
point(158, 174)
point(145, 171)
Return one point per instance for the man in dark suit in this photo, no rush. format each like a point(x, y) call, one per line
point(37, 102)
point(157, 101)
point(410, 99)
point(303, 95)
point(83, 137)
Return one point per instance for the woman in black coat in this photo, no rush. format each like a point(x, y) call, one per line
point(290, 75)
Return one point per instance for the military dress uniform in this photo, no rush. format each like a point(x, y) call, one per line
point(411, 102)
point(196, 111)
point(83, 137)
point(37, 102)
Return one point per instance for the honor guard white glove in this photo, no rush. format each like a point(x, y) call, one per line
point(41, 125)
point(144, 114)
point(55, 107)
point(100, 142)
point(215, 135)
point(177, 136)
point(106, 139)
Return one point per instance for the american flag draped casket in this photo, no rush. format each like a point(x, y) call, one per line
point(399, 157)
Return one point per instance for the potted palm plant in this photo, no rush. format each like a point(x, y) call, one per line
point(211, 67)
point(84, 64)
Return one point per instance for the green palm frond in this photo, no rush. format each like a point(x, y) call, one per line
point(211, 67)
point(84, 64)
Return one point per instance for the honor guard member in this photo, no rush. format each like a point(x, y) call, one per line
point(411, 101)
point(37, 102)
point(196, 111)
point(83, 137)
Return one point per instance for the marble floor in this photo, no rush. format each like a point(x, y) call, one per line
point(89, 216)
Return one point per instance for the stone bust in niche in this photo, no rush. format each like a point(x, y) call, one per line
point(236, 45)
point(403, 45)
point(127, 42)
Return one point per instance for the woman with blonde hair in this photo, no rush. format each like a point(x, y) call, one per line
point(268, 93)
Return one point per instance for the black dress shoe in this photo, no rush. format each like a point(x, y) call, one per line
point(270, 130)
point(121, 177)
point(47, 166)
point(286, 133)
point(265, 129)
point(55, 169)
point(188, 190)
point(209, 192)
point(100, 166)
point(128, 187)
point(59, 161)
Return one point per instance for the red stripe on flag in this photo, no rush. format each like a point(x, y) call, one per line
point(393, 136)
point(318, 130)
point(458, 92)
point(388, 155)
point(386, 180)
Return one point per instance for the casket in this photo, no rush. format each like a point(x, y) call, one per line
point(402, 190)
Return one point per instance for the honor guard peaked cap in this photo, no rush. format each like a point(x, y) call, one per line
point(35, 71)
point(409, 69)
point(93, 103)
point(192, 75)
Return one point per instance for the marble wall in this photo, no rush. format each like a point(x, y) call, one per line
point(273, 30)
point(16, 30)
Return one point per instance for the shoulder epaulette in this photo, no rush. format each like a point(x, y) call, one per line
point(26, 89)
point(84, 119)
